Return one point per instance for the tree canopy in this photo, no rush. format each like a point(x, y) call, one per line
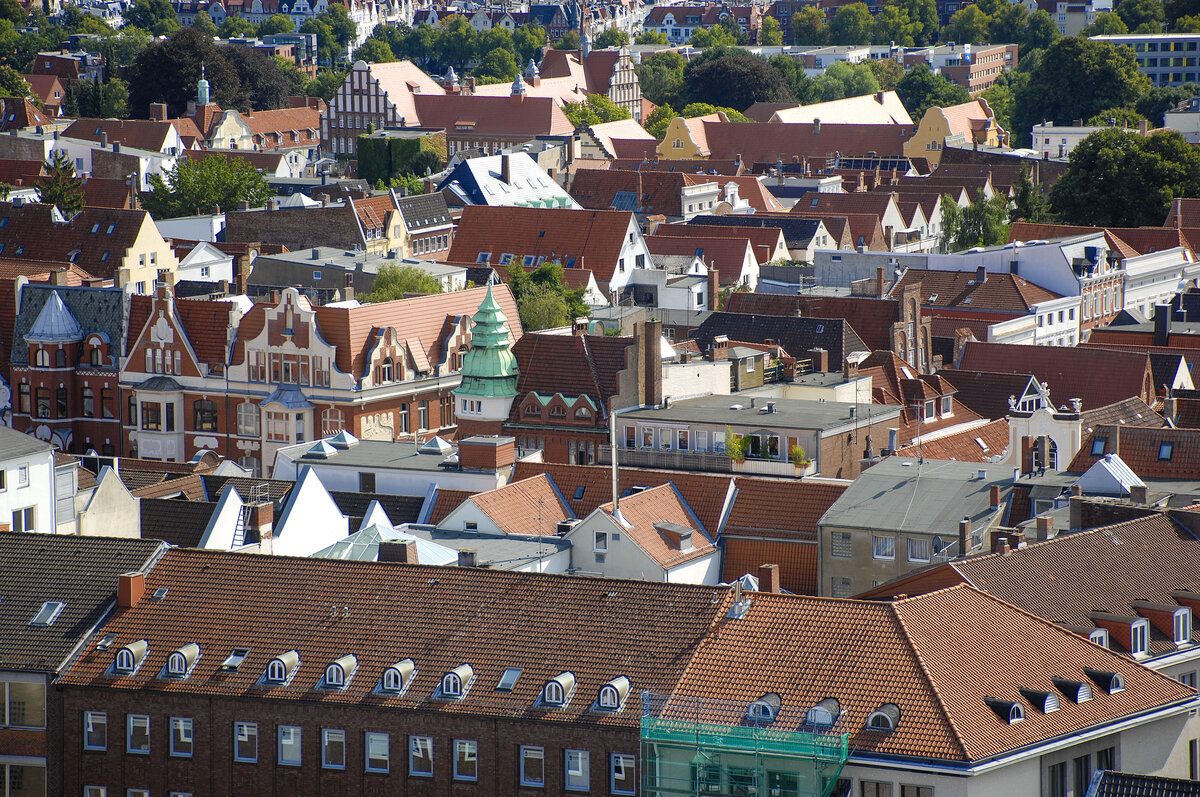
point(611, 37)
point(921, 89)
point(735, 79)
point(198, 186)
point(596, 110)
point(60, 186)
point(543, 299)
point(851, 24)
point(1116, 178)
point(984, 222)
point(395, 282)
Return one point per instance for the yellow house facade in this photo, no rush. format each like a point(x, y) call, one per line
point(685, 138)
point(971, 123)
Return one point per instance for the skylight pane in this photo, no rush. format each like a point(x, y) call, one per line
point(48, 613)
point(509, 679)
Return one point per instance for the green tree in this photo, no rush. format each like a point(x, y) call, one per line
point(792, 71)
point(203, 23)
point(769, 34)
point(1116, 117)
point(296, 80)
point(921, 89)
point(424, 163)
point(1107, 23)
point(892, 24)
point(498, 66)
point(716, 36)
point(235, 26)
point(456, 43)
point(396, 282)
point(1076, 79)
point(529, 42)
point(325, 84)
point(262, 84)
point(809, 27)
point(1157, 100)
point(851, 25)
point(659, 120)
point(611, 37)
point(60, 186)
point(984, 222)
point(494, 39)
point(597, 109)
point(374, 51)
point(196, 186)
point(1177, 9)
point(12, 84)
point(923, 16)
point(543, 299)
point(92, 98)
point(968, 25)
point(692, 110)
point(276, 24)
point(1188, 24)
point(12, 11)
point(1040, 32)
point(661, 77)
point(651, 37)
point(735, 79)
point(840, 80)
point(569, 41)
point(887, 72)
point(543, 308)
point(1142, 16)
point(731, 26)
point(1119, 179)
point(1008, 24)
point(156, 16)
point(121, 49)
point(999, 97)
point(1029, 202)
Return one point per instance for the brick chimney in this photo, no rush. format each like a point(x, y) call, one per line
point(158, 112)
point(768, 578)
point(1162, 325)
point(880, 282)
point(719, 349)
point(467, 557)
point(1045, 528)
point(650, 344)
point(395, 551)
point(1000, 542)
point(714, 289)
point(131, 587)
point(261, 523)
point(994, 497)
point(486, 453)
point(964, 537)
point(1138, 494)
point(505, 168)
point(820, 359)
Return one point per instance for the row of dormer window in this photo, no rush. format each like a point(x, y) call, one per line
point(395, 679)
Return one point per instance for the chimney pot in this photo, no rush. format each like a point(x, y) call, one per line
point(999, 542)
point(768, 578)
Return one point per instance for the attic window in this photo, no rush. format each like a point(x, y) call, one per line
point(1110, 682)
point(1164, 451)
point(884, 719)
point(814, 202)
point(1139, 635)
point(130, 657)
point(612, 694)
point(1078, 692)
point(825, 713)
point(765, 709)
point(110, 229)
point(1183, 626)
point(579, 493)
point(820, 328)
point(180, 662)
point(397, 677)
point(48, 613)
point(509, 679)
point(1009, 711)
point(483, 257)
point(235, 659)
point(339, 673)
point(456, 682)
point(1100, 637)
point(558, 690)
point(1044, 702)
point(1098, 446)
point(95, 228)
point(281, 668)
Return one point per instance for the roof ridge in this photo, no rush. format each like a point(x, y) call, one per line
point(937, 696)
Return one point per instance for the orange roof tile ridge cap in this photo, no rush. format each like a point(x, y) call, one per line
point(912, 646)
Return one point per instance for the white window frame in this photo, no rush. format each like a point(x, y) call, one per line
point(533, 752)
point(1182, 623)
point(416, 745)
point(92, 720)
point(182, 733)
point(917, 556)
point(332, 736)
point(622, 762)
point(466, 750)
point(130, 721)
point(95, 791)
point(290, 737)
point(374, 737)
point(609, 699)
point(581, 772)
point(1139, 633)
point(883, 546)
point(247, 411)
point(245, 733)
point(600, 542)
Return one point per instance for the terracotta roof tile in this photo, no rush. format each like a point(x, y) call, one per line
point(138, 133)
point(727, 255)
point(645, 512)
point(188, 487)
point(17, 113)
point(445, 502)
point(765, 241)
point(573, 365)
point(964, 446)
point(770, 142)
point(781, 508)
point(489, 619)
point(1004, 293)
point(99, 253)
point(532, 507)
point(1152, 452)
point(493, 116)
point(798, 562)
point(871, 318)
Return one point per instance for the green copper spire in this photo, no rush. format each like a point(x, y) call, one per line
point(489, 370)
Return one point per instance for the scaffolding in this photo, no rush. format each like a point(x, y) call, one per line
point(697, 746)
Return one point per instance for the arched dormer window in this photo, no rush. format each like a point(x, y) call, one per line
point(583, 414)
point(1007, 710)
point(276, 672)
point(130, 657)
point(339, 673)
point(456, 682)
point(558, 411)
point(612, 694)
point(765, 709)
point(884, 719)
point(552, 693)
point(533, 410)
point(558, 690)
point(397, 677)
point(824, 713)
point(180, 662)
point(125, 662)
point(282, 667)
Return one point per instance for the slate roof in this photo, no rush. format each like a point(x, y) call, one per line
point(871, 318)
point(1066, 579)
point(277, 490)
point(98, 310)
point(1141, 448)
point(797, 232)
point(1096, 376)
point(1108, 783)
point(986, 392)
point(911, 653)
point(795, 335)
point(78, 571)
point(423, 212)
point(489, 619)
point(398, 508)
point(175, 521)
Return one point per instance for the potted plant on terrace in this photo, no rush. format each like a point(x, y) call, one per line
point(799, 458)
point(735, 446)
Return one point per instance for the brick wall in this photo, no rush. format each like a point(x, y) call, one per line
point(296, 228)
point(212, 771)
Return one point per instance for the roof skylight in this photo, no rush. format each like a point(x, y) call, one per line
point(48, 613)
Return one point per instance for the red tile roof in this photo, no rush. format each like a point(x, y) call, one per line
point(645, 512)
point(99, 253)
point(573, 365)
point(1002, 293)
point(769, 142)
point(911, 653)
point(488, 619)
point(964, 446)
point(138, 133)
point(781, 508)
point(727, 255)
point(1142, 449)
point(798, 562)
point(871, 318)
point(445, 502)
point(109, 193)
point(1096, 376)
point(765, 241)
point(530, 506)
point(593, 238)
point(17, 113)
point(488, 117)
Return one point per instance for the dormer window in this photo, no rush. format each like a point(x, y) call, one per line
point(884, 719)
point(765, 709)
point(825, 713)
point(398, 677)
point(456, 682)
point(281, 668)
point(181, 661)
point(1078, 692)
point(1110, 682)
point(1044, 702)
point(1139, 636)
point(612, 694)
point(1100, 637)
point(339, 673)
point(1007, 710)
point(1182, 622)
point(130, 657)
point(558, 690)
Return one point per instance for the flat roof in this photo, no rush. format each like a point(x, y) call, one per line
point(401, 455)
point(789, 413)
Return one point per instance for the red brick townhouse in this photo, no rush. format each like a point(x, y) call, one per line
point(203, 376)
point(522, 684)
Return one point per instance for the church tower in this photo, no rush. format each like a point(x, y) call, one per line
point(489, 373)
